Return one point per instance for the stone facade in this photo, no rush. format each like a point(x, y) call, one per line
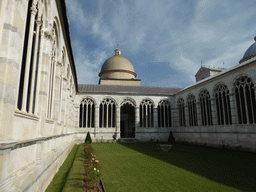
point(205, 72)
point(44, 112)
point(34, 141)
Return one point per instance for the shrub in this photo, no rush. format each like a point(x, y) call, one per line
point(171, 138)
point(88, 138)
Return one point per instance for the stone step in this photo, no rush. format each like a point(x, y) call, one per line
point(128, 140)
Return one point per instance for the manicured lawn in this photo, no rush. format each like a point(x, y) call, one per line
point(70, 176)
point(141, 167)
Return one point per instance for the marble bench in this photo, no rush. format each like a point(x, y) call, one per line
point(164, 147)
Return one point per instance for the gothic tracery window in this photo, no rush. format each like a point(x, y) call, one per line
point(87, 113)
point(221, 94)
point(245, 100)
point(146, 113)
point(164, 114)
point(206, 109)
point(192, 111)
point(107, 117)
point(181, 108)
point(29, 65)
point(52, 73)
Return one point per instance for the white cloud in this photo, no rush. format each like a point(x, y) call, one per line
point(179, 33)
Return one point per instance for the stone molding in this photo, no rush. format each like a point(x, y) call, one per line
point(12, 144)
point(22, 114)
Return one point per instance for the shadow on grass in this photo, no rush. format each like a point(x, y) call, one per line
point(232, 168)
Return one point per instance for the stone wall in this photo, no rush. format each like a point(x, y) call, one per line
point(33, 141)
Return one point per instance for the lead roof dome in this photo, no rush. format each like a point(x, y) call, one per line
point(250, 52)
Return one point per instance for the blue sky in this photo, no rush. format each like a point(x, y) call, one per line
point(164, 40)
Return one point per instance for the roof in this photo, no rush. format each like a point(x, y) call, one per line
point(244, 63)
point(210, 69)
point(250, 52)
point(117, 63)
point(141, 90)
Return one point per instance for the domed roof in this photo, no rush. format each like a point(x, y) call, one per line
point(117, 63)
point(251, 52)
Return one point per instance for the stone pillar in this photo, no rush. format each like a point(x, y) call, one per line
point(96, 117)
point(118, 121)
point(38, 24)
point(27, 67)
point(186, 116)
point(39, 74)
point(214, 112)
point(199, 116)
point(155, 117)
point(77, 116)
point(175, 117)
point(137, 117)
point(232, 97)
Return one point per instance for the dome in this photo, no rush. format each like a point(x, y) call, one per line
point(251, 52)
point(117, 67)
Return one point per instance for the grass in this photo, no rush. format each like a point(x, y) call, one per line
point(59, 180)
point(74, 181)
point(71, 175)
point(141, 167)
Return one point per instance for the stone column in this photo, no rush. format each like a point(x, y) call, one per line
point(175, 117)
point(186, 116)
point(96, 121)
point(28, 56)
point(118, 121)
point(137, 117)
point(214, 112)
point(155, 117)
point(38, 24)
point(199, 115)
point(39, 74)
point(76, 116)
point(232, 97)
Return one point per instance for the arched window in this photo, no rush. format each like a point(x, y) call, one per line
point(221, 94)
point(206, 109)
point(52, 73)
point(245, 100)
point(146, 114)
point(29, 66)
point(181, 107)
point(107, 113)
point(192, 112)
point(164, 114)
point(87, 113)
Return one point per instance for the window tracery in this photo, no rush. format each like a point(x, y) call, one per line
point(107, 117)
point(206, 109)
point(87, 113)
point(181, 108)
point(245, 100)
point(164, 114)
point(192, 110)
point(222, 102)
point(52, 73)
point(146, 113)
point(29, 66)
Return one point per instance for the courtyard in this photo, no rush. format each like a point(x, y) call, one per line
point(142, 167)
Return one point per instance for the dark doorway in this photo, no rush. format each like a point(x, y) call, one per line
point(127, 121)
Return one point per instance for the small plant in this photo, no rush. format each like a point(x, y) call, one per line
point(88, 138)
point(171, 139)
point(92, 171)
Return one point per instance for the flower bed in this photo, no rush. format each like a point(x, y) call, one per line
point(92, 170)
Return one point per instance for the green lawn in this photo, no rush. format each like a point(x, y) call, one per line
point(141, 167)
